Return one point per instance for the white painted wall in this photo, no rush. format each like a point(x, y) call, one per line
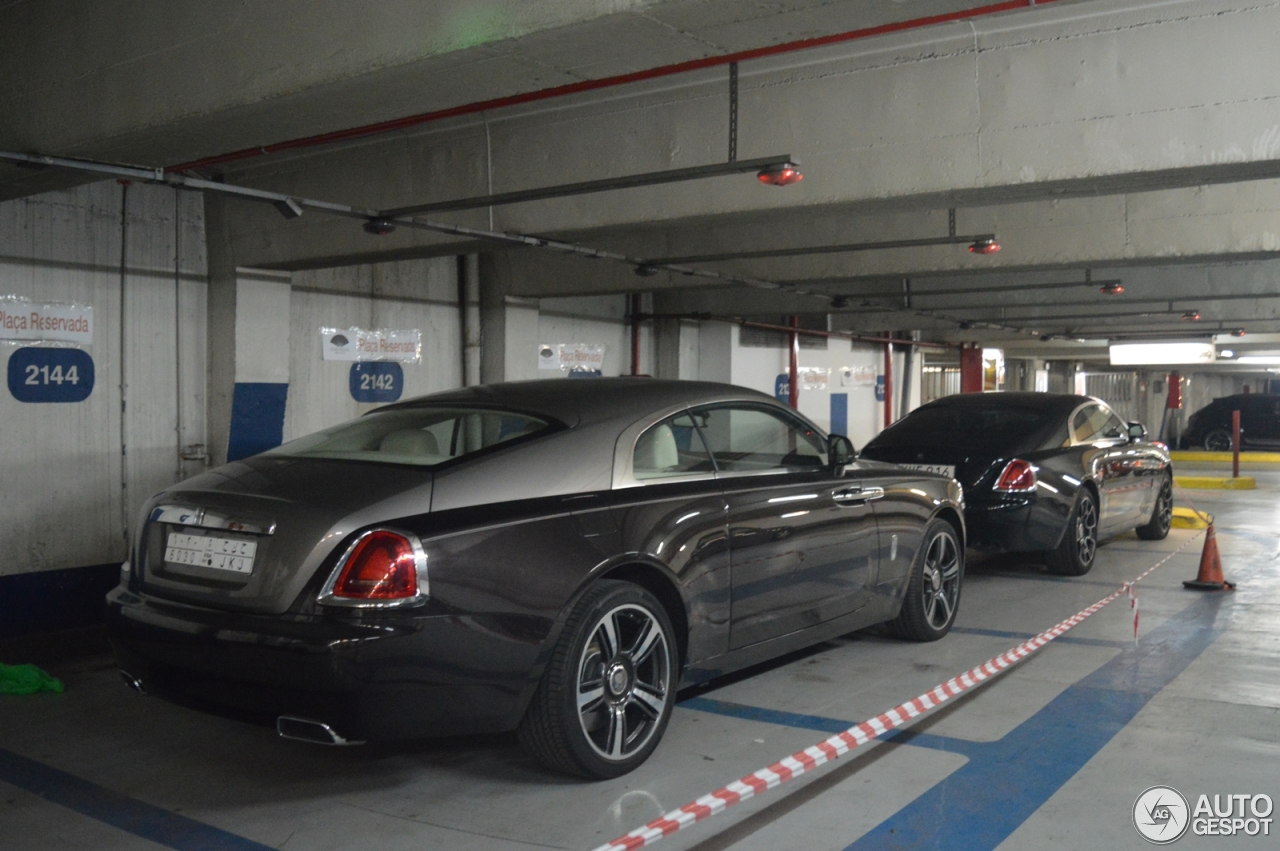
point(262, 314)
point(420, 294)
point(66, 498)
point(758, 369)
point(595, 320)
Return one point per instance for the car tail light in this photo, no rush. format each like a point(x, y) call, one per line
point(1018, 476)
point(381, 568)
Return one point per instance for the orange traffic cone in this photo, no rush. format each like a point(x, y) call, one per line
point(1210, 576)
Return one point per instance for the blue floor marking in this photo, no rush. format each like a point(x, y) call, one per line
point(815, 722)
point(984, 801)
point(1066, 639)
point(153, 823)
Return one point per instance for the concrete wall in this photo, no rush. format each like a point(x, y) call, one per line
point(66, 497)
point(758, 368)
point(420, 294)
point(593, 320)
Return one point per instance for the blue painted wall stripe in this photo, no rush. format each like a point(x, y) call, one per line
point(153, 823)
point(48, 600)
point(257, 418)
point(840, 413)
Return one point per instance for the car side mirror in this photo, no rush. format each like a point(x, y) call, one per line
point(841, 451)
point(1137, 431)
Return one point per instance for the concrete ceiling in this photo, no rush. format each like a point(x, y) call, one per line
point(1135, 140)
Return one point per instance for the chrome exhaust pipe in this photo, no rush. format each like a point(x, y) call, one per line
point(132, 682)
point(309, 730)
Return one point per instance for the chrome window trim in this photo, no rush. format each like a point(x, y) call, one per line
point(1098, 402)
point(187, 515)
point(771, 471)
point(327, 597)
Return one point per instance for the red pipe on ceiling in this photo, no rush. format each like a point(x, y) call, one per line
point(603, 83)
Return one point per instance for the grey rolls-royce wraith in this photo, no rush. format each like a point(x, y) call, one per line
point(556, 557)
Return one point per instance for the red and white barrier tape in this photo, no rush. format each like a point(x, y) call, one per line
point(791, 767)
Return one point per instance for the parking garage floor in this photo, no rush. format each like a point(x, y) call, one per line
point(1051, 754)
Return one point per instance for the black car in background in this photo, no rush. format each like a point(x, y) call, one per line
point(1040, 471)
point(1210, 427)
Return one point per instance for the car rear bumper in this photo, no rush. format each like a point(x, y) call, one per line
point(411, 677)
point(1015, 523)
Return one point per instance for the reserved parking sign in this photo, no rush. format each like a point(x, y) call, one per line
point(38, 374)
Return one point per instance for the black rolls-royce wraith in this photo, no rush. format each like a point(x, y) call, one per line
point(1045, 472)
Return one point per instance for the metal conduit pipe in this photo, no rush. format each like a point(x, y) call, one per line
point(469, 315)
point(787, 329)
point(125, 518)
point(888, 380)
point(605, 83)
point(793, 373)
point(908, 369)
point(636, 316)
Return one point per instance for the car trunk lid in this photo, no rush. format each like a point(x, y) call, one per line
point(251, 535)
point(968, 467)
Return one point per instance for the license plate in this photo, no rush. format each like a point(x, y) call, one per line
point(233, 554)
point(948, 470)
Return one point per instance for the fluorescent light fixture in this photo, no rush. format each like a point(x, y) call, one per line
point(1133, 354)
point(1259, 360)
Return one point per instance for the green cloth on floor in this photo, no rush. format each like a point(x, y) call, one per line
point(26, 679)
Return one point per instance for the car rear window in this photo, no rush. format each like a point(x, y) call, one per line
point(994, 428)
point(424, 437)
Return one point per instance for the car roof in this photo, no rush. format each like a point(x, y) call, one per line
point(591, 399)
point(1043, 402)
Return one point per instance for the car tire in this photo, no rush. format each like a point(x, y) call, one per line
point(1218, 440)
point(1157, 528)
point(933, 591)
point(1076, 553)
point(608, 691)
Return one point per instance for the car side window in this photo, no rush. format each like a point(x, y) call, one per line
point(1094, 422)
point(1113, 427)
point(747, 439)
point(670, 448)
point(1256, 406)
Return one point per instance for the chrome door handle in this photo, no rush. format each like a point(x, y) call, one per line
point(856, 496)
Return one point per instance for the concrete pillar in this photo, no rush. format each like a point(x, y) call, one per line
point(715, 352)
point(508, 325)
point(971, 368)
point(469, 313)
point(666, 337)
point(248, 348)
point(666, 347)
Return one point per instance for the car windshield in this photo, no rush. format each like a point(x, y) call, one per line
point(423, 437)
point(981, 428)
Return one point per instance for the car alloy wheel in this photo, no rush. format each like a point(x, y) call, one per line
point(1087, 531)
point(609, 688)
point(623, 681)
point(941, 585)
point(1074, 556)
point(1217, 441)
point(1157, 528)
point(933, 589)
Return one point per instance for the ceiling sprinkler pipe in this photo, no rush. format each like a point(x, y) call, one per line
point(787, 329)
